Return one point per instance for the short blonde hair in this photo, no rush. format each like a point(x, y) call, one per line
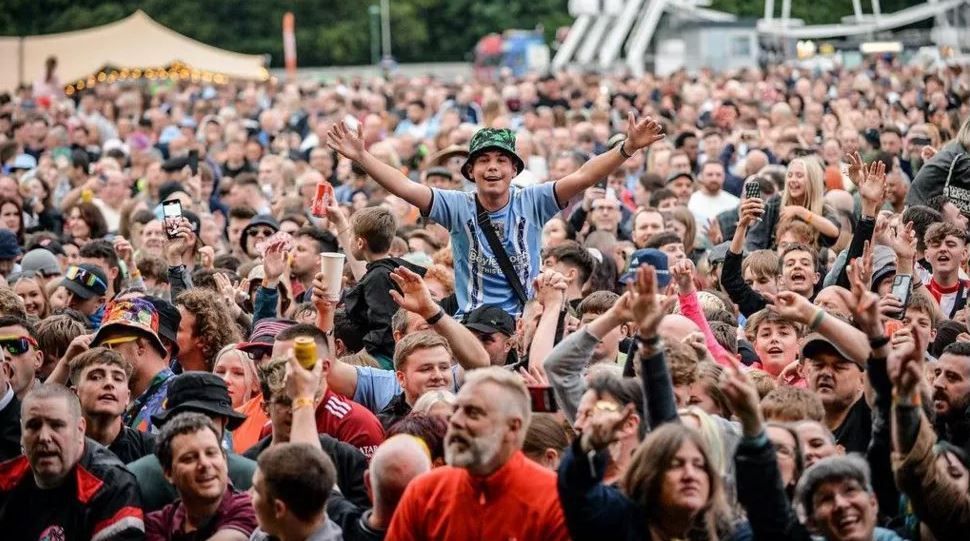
point(431, 399)
point(413, 342)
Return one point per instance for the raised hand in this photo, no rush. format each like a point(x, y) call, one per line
point(414, 295)
point(751, 210)
point(905, 361)
point(857, 168)
point(300, 382)
point(743, 398)
point(550, 288)
point(605, 421)
point(865, 304)
point(904, 242)
point(683, 272)
point(274, 262)
point(347, 143)
point(207, 257)
point(175, 247)
point(642, 133)
point(872, 189)
point(714, 233)
point(125, 252)
point(320, 295)
point(791, 306)
point(645, 305)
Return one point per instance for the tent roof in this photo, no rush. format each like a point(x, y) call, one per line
point(135, 41)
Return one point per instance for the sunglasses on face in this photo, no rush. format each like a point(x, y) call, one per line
point(261, 232)
point(17, 345)
point(77, 274)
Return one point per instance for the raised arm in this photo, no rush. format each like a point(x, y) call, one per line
point(759, 482)
point(342, 377)
point(747, 299)
point(340, 227)
point(660, 405)
point(468, 350)
point(351, 146)
point(848, 339)
point(550, 287)
point(690, 308)
point(640, 134)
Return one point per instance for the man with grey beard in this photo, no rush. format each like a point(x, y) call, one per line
point(487, 475)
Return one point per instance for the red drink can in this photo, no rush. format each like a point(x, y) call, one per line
point(322, 199)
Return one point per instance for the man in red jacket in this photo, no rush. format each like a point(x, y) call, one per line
point(489, 490)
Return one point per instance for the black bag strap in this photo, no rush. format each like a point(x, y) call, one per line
point(485, 222)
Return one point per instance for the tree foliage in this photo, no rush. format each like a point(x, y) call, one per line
point(328, 32)
point(331, 32)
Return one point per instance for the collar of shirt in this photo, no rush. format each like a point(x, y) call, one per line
point(7, 398)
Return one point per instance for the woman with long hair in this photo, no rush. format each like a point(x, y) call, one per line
point(12, 217)
point(85, 222)
point(671, 489)
point(238, 370)
point(31, 289)
point(680, 221)
point(802, 199)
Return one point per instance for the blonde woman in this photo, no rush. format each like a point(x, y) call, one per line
point(803, 200)
point(238, 370)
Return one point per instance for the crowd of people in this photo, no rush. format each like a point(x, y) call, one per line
point(712, 306)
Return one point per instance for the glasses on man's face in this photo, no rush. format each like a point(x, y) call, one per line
point(16, 345)
point(77, 274)
point(111, 343)
point(261, 232)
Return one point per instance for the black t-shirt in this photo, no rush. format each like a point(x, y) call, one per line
point(352, 520)
point(131, 444)
point(856, 429)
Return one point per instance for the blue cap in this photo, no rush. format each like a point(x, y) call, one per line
point(648, 256)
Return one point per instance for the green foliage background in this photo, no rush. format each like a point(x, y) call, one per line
point(337, 32)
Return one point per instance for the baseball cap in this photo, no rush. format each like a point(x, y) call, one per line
point(41, 261)
point(85, 280)
point(490, 319)
point(648, 256)
point(264, 333)
point(675, 176)
point(200, 392)
point(815, 343)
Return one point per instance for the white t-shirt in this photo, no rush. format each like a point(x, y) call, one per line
point(704, 207)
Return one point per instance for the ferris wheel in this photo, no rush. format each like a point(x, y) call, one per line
point(603, 29)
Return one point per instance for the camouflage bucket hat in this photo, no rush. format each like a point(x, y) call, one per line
point(487, 139)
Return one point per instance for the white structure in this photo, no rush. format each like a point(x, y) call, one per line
point(603, 27)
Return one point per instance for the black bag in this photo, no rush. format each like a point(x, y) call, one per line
point(500, 254)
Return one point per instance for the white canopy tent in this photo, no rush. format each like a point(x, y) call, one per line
point(134, 42)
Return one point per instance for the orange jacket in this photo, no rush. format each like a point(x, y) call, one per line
point(519, 501)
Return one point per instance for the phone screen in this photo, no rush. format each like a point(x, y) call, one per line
point(172, 215)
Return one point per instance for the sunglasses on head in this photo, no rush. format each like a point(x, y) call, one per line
point(77, 274)
point(17, 345)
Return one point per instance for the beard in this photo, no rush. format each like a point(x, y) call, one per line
point(464, 451)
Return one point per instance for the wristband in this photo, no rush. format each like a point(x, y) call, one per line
point(437, 317)
point(623, 151)
point(877, 342)
point(817, 320)
point(650, 341)
point(302, 402)
point(809, 218)
point(916, 400)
